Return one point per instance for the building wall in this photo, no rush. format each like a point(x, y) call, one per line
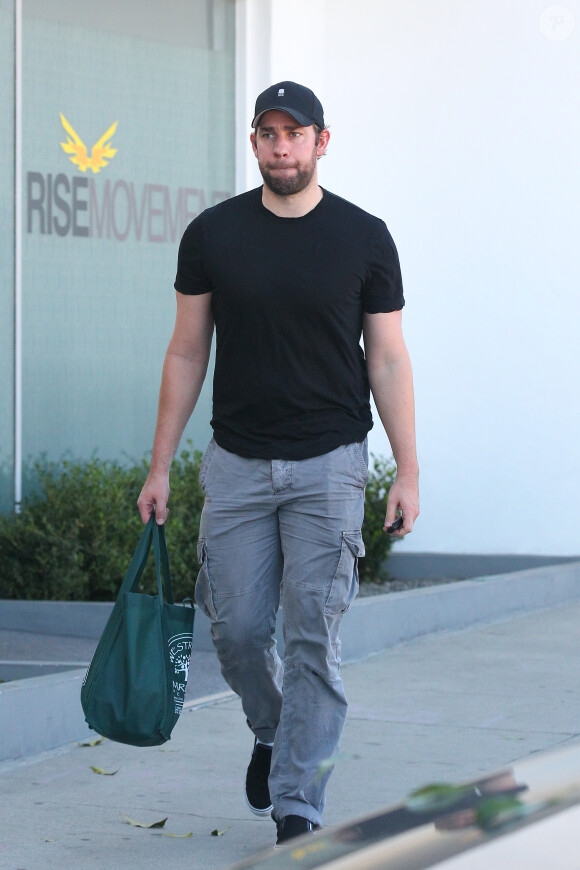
point(152, 82)
point(454, 120)
point(457, 122)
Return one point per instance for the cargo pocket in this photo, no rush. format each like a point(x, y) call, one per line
point(203, 591)
point(344, 586)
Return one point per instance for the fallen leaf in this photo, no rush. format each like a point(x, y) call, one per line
point(438, 797)
point(104, 772)
point(177, 836)
point(495, 810)
point(216, 833)
point(92, 742)
point(144, 824)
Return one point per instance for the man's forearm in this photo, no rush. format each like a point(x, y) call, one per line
point(184, 371)
point(392, 388)
point(181, 385)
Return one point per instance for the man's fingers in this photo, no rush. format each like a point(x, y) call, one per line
point(403, 498)
point(145, 510)
point(153, 499)
point(161, 512)
point(397, 528)
point(392, 512)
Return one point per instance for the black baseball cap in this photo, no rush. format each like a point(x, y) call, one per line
point(296, 100)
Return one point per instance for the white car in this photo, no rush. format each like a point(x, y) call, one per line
point(525, 817)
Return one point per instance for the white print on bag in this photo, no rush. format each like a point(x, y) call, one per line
point(179, 655)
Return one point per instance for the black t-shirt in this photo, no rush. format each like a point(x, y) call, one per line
point(288, 296)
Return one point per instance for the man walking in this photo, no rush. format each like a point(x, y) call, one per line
point(290, 275)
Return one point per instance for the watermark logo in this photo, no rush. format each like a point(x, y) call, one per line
point(75, 147)
point(557, 23)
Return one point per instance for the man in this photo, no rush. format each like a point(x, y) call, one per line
point(290, 275)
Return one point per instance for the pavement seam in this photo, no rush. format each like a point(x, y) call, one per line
point(208, 701)
point(483, 727)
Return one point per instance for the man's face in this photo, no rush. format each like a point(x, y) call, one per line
point(286, 152)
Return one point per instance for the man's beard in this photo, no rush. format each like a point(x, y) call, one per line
point(286, 185)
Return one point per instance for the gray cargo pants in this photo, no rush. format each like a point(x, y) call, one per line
point(284, 532)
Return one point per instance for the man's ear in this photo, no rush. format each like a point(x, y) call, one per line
point(253, 141)
point(322, 142)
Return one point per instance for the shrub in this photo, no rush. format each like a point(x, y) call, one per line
point(77, 530)
point(377, 543)
point(76, 533)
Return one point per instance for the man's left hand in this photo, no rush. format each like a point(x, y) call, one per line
point(403, 497)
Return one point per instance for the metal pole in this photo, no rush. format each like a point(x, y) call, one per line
point(18, 255)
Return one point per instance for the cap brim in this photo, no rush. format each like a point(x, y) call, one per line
point(298, 116)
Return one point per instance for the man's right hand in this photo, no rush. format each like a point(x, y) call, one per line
point(154, 496)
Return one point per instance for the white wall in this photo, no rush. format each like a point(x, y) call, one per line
point(458, 122)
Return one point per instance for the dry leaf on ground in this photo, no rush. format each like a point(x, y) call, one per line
point(136, 824)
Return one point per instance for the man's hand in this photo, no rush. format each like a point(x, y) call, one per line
point(403, 496)
point(154, 496)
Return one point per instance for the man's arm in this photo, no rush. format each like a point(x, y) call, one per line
point(184, 371)
point(391, 380)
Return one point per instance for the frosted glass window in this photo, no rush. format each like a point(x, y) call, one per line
point(128, 133)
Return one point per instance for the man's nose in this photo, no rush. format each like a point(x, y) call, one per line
point(281, 147)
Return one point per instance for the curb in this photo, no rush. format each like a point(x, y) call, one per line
point(403, 616)
point(41, 713)
point(44, 713)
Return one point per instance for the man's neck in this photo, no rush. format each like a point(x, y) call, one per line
point(295, 205)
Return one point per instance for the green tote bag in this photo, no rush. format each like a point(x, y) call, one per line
point(134, 689)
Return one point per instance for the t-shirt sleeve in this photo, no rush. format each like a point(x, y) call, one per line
point(191, 278)
point(383, 287)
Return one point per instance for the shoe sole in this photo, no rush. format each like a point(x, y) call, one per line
point(261, 814)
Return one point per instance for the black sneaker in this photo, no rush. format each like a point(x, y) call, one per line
point(257, 791)
point(289, 827)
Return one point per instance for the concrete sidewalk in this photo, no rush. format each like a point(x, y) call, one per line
point(51, 637)
point(438, 708)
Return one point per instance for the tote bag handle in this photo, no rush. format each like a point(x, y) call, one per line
point(162, 562)
point(155, 533)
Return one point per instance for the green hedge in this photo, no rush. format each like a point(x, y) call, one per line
point(75, 534)
point(377, 544)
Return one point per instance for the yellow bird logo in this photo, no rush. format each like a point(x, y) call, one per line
point(77, 148)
